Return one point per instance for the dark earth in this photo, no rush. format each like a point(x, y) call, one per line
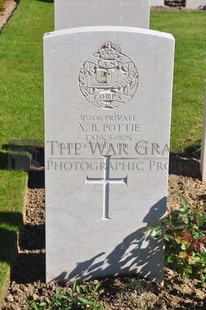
point(28, 271)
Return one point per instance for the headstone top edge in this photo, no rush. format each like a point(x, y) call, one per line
point(77, 30)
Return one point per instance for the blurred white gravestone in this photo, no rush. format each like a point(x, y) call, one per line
point(194, 4)
point(78, 13)
point(156, 2)
point(108, 93)
point(203, 145)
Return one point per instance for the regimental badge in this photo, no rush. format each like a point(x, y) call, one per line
point(108, 79)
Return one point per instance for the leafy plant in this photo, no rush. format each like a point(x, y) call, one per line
point(184, 231)
point(82, 297)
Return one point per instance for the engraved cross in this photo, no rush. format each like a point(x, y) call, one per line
point(106, 181)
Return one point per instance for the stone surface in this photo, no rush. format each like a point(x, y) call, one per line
point(78, 13)
point(107, 125)
point(203, 146)
point(156, 2)
point(194, 4)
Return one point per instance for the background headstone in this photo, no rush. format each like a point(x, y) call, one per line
point(194, 4)
point(156, 2)
point(203, 145)
point(107, 125)
point(78, 13)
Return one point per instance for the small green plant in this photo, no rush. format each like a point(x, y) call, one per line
point(82, 297)
point(184, 231)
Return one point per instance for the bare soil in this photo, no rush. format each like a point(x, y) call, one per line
point(10, 6)
point(28, 273)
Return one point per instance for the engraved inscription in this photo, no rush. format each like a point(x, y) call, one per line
point(108, 79)
point(106, 181)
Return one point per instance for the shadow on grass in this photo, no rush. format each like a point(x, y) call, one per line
point(175, 3)
point(187, 163)
point(10, 222)
point(184, 166)
point(28, 264)
point(3, 161)
point(21, 155)
point(31, 238)
point(51, 1)
point(15, 161)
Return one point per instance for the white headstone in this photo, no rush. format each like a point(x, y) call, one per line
point(156, 2)
point(107, 125)
point(203, 146)
point(194, 4)
point(78, 13)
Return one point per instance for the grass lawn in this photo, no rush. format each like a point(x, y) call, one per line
point(12, 189)
point(188, 28)
point(21, 97)
point(21, 111)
